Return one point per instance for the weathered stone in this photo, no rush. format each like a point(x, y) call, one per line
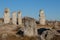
point(19, 18)
point(30, 27)
point(42, 17)
point(14, 18)
point(6, 16)
point(49, 34)
point(56, 26)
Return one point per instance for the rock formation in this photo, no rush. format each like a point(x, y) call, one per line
point(42, 17)
point(19, 18)
point(6, 16)
point(14, 18)
point(30, 27)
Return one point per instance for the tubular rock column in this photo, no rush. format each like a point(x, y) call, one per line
point(19, 18)
point(14, 18)
point(42, 17)
point(6, 16)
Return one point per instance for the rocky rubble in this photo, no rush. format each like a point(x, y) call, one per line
point(49, 36)
point(29, 31)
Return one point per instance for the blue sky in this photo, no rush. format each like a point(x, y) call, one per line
point(31, 8)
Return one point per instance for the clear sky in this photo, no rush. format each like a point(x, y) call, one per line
point(31, 8)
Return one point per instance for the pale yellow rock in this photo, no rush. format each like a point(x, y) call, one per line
point(19, 18)
point(14, 18)
point(6, 16)
point(42, 17)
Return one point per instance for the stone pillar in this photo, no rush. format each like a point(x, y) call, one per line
point(56, 25)
point(6, 16)
point(14, 18)
point(19, 18)
point(42, 17)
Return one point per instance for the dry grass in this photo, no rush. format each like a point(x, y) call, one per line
point(14, 37)
point(56, 37)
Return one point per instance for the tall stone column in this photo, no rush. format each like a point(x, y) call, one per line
point(42, 17)
point(19, 18)
point(14, 18)
point(6, 16)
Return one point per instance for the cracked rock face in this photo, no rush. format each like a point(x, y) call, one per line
point(29, 26)
point(49, 34)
